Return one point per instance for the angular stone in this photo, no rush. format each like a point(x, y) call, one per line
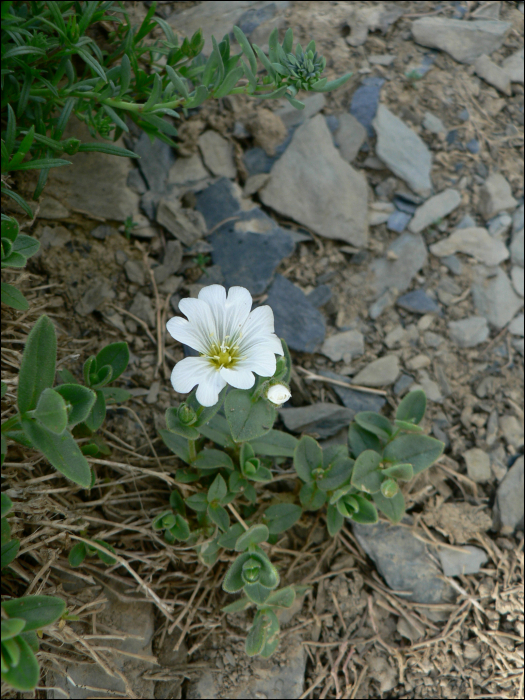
point(493, 74)
point(103, 231)
point(96, 293)
point(385, 301)
point(353, 398)
point(398, 221)
point(453, 263)
point(495, 299)
point(463, 40)
point(187, 170)
point(346, 345)
point(171, 215)
point(143, 309)
point(291, 116)
point(379, 213)
point(403, 151)
point(249, 251)
point(469, 561)
point(516, 275)
point(320, 296)
point(516, 248)
point(136, 182)
point(435, 208)
point(418, 302)
point(384, 59)
point(516, 326)
point(320, 419)
point(170, 264)
point(218, 202)
point(51, 208)
point(364, 102)
point(217, 153)
point(508, 508)
point(350, 136)
point(512, 430)
point(381, 372)
point(433, 124)
point(469, 332)
point(499, 226)
point(478, 465)
point(135, 272)
point(318, 188)
point(404, 561)
point(476, 242)
point(254, 183)
point(155, 161)
point(495, 196)
point(514, 66)
point(52, 236)
point(296, 319)
point(411, 253)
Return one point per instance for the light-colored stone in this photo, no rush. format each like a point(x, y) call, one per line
point(508, 508)
point(350, 136)
point(317, 188)
point(463, 40)
point(254, 183)
point(217, 153)
point(172, 217)
point(514, 66)
point(478, 465)
point(94, 295)
point(344, 346)
point(268, 130)
point(469, 561)
point(516, 248)
point(381, 372)
point(495, 196)
point(383, 59)
point(469, 332)
point(143, 309)
point(187, 170)
point(512, 429)
point(495, 299)
point(430, 387)
point(516, 326)
point(499, 226)
point(135, 272)
point(379, 213)
point(433, 124)
point(404, 259)
point(418, 362)
point(51, 208)
point(476, 242)
point(516, 275)
point(433, 209)
point(403, 151)
point(312, 105)
point(493, 74)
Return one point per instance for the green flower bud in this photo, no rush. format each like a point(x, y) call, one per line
point(251, 570)
point(389, 488)
point(71, 146)
point(251, 466)
point(186, 414)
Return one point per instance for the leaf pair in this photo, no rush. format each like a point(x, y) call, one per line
point(16, 249)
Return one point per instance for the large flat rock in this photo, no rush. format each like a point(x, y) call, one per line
point(398, 270)
point(317, 188)
point(494, 297)
point(474, 241)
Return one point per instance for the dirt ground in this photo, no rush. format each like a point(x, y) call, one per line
point(362, 640)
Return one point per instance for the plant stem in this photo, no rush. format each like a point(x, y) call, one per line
point(193, 450)
point(8, 424)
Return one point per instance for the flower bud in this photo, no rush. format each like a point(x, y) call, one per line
point(186, 414)
point(278, 394)
point(389, 488)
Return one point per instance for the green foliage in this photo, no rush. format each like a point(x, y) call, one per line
point(21, 618)
point(16, 249)
point(82, 550)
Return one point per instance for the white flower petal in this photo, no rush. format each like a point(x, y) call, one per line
point(260, 360)
point(239, 378)
point(208, 391)
point(215, 297)
point(190, 371)
point(238, 308)
point(201, 318)
point(186, 333)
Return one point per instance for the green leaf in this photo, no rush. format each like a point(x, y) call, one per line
point(282, 516)
point(38, 164)
point(178, 83)
point(274, 95)
point(254, 535)
point(219, 516)
point(13, 297)
point(317, 86)
point(14, 260)
point(10, 134)
point(175, 425)
point(405, 472)
point(213, 459)
point(334, 84)
point(23, 149)
point(51, 411)
point(238, 605)
point(375, 423)
point(25, 675)
point(308, 456)
point(233, 580)
point(257, 593)
point(360, 440)
point(19, 200)
point(177, 502)
point(61, 451)
point(116, 356)
point(229, 82)
point(412, 408)
point(90, 370)
point(164, 520)
point(37, 610)
point(311, 497)
point(154, 96)
point(250, 76)
point(10, 227)
point(197, 502)
point(367, 513)
point(106, 558)
point(230, 537)
point(334, 520)
point(25, 245)
point(283, 598)
point(5, 531)
point(199, 96)
point(366, 474)
point(295, 103)
point(410, 427)
point(176, 444)
point(77, 554)
point(418, 450)
point(4, 389)
point(265, 61)
point(338, 474)
point(393, 508)
point(113, 394)
point(107, 148)
point(389, 488)
point(256, 637)
point(206, 413)
point(97, 413)
point(181, 529)
point(125, 75)
point(275, 443)
point(248, 419)
point(10, 628)
point(245, 45)
point(217, 490)
point(9, 552)
point(37, 369)
point(92, 63)
point(288, 41)
point(7, 504)
point(10, 652)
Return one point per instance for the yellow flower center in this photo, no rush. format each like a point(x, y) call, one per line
point(223, 355)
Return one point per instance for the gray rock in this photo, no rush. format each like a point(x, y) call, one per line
point(513, 66)
point(495, 299)
point(517, 219)
point(495, 196)
point(519, 345)
point(217, 202)
point(473, 146)
point(516, 248)
point(53, 236)
point(403, 151)
point(344, 346)
point(254, 183)
point(174, 219)
point(476, 242)
point(249, 250)
point(516, 275)
point(435, 208)
point(171, 284)
point(508, 508)
point(403, 560)
point(453, 263)
point(186, 171)
point(136, 182)
point(50, 208)
point(103, 231)
point(398, 221)
point(385, 301)
point(469, 332)
point(463, 40)
point(135, 272)
point(293, 117)
point(171, 262)
point(354, 399)
point(469, 561)
point(512, 429)
point(478, 465)
point(320, 296)
point(96, 293)
point(321, 419)
point(432, 340)
point(493, 74)
point(365, 100)
point(466, 222)
point(402, 384)
point(429, 386)
point(143, 309)
point(155, 162)
point(499, 226)
point(381, 372)
point(383, 59)
point(349, 136)
point(379, 213)
point(516, 326)
point(120, 257)
point(318, 188)
point(411, 253)
point(433, 124)
point(403, 202)
point(296, 319)
point(418, 302)
point(217, 153)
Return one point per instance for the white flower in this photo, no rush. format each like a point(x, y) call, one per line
point(232, 341)
point(278, 394)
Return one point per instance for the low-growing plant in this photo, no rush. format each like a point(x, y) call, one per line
point(16, 249)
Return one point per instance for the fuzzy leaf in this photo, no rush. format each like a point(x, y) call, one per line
point(37, 369)
point(248, 419)
point(37, 610)
point(375, 423)
point(412, 408)
point(393, 508)
point(366, 474)
point(308, 456)
point(254, 535)
point(282, 516)
point(418, 450)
